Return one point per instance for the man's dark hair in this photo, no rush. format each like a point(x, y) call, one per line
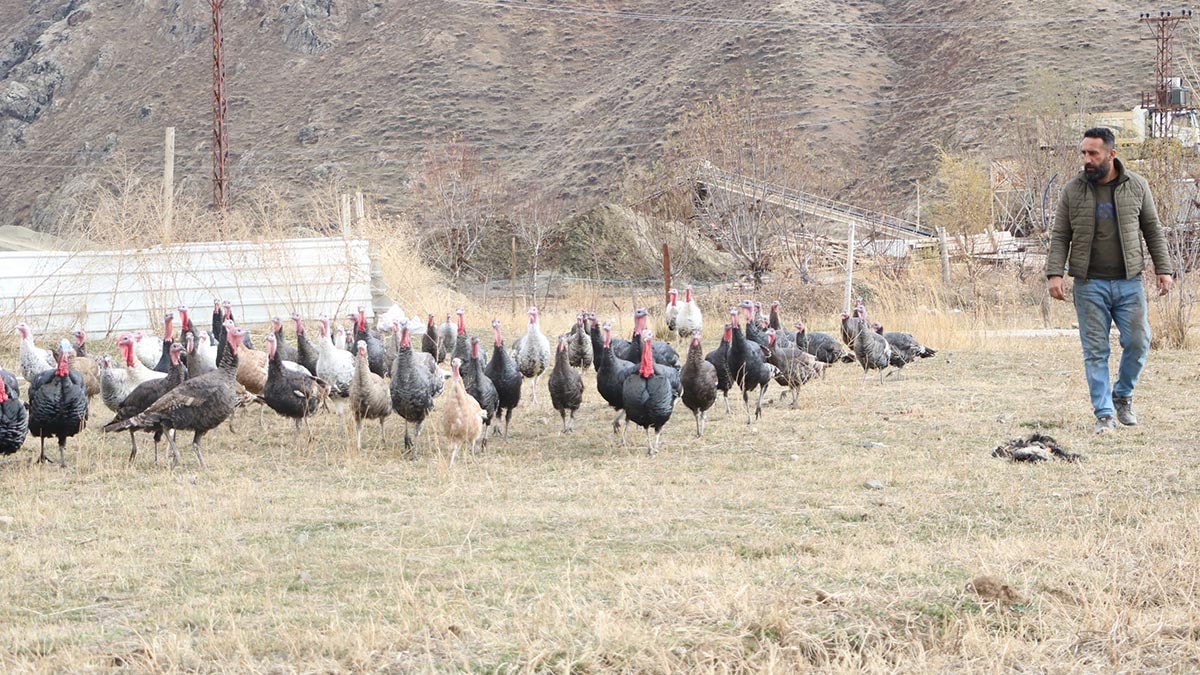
point(1103, 133)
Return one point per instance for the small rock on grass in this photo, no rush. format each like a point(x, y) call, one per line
point(873, 484)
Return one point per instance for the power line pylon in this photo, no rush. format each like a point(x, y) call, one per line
point(220, 140)
point(1160, 103)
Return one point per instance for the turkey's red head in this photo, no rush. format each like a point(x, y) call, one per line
point(276, 324)
point(474, 348)
point(169, 325)
point(80, 338)
point(647, 366)
point(771, 337)
point(3, 392)
point(402, 326)
point(361, 348)
point(462, 320)
point(65, 351)
point(23, 330)
point(455, 365)
point(429, 327)
point(234, 336)
point(299, 323)
point(184, 321)
point(324, 321)
point(695, 338)
point(190, 343)
point(176, 351)
point(272, 346)
point(227, 309)
point(747, 310)
point(687, 293)
point(533, 315)
point(729, 331)
point(496, 333)
point(362, 319)
point(125, 344)
point(674, 297)
point(640, 316)
point(607, 328)
point(562, 343)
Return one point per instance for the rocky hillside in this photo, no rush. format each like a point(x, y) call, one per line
point(563, 93)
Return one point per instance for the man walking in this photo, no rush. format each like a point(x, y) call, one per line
point(1104, 214)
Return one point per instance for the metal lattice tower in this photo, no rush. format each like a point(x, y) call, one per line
point(1158, 102)
point(220, 141)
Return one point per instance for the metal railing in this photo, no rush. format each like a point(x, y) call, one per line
point(711, 176)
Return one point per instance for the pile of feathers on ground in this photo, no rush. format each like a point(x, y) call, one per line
point(1036, 448)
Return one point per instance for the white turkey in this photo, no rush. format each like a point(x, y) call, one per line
point(33, 359)
point(672, 309)
point(335, 366)
point(531, 352)
point(688, 318)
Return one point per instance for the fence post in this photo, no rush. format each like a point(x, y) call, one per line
point(666, 262)
point(169, 185)
point(944, 253)
point(513, 281)
point(849, 266)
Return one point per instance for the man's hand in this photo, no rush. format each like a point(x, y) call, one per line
point(1055, 286)
point(1164, 282)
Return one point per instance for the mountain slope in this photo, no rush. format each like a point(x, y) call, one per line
point(555, 93)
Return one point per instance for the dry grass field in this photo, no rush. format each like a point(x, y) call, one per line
point(756, 548)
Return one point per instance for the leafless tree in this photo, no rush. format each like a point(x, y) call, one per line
point(457, 199)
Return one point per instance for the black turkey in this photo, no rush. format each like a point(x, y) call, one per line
point(58, 404)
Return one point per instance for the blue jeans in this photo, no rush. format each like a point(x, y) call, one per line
point(1098, 304)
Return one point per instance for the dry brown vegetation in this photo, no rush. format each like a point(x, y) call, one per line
point(754, 549)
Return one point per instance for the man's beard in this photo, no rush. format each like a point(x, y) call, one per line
point(1099, 172)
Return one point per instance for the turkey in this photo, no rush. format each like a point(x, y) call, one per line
point(531, 352)
point(291, 393)
point(688, 319)
point(85, 365)
point(33, 359)
point(200, 404)
point(252, 364)
point(462, 343)
point(306, 351)
point(286, 351)
point(369, 395)
point(114, 384)
point(222, 312)
point(774, 323)
point(480, 386)
point(747, 367)
point(579, 343)
point(699, 378)
point(163, 364)
point(503, 373)
point(137, 371)
point(14, 419)
point(755, 325)
point(795, 366)
point(664, 354)
point(447, 333)
point(565, 384)
point(462, 416)
point(719, 358)
point(431, 343)
point(335, 366)
point(145, 394)
point(647, 396)
point(376, 354)
point(186, 328)
point(672, 309)
point(872, 351)
point(204, 355)
point(611, 372)
point(905, 348)
point(147, 347)
point(620, 347)
point(410, 389)
point(851, 325)
point(57, 404)
point(823, 346)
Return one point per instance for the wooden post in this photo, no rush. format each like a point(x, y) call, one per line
point(849, 266)
point(169, 185)
point(360, 210)
point(513, 280)
point(346, 216)
point(944, 252)
point(666, 274)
